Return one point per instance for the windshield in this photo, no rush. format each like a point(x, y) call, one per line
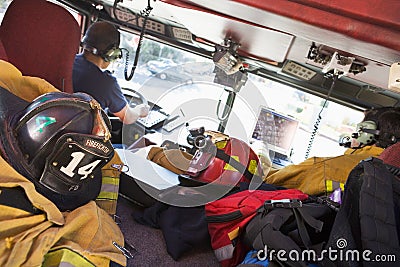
point(183, 83)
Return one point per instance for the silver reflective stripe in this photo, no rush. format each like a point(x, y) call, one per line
point(108, 187)
point(224, 253)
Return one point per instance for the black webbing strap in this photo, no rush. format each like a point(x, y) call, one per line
point(15, 197)
point(236, 164)
point(265, 221)
point(302, 218)
point(262, 222)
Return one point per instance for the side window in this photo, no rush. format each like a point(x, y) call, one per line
point(3, 7)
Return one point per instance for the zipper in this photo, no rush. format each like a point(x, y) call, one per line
point(224, 217)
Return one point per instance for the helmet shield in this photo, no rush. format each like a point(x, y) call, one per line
point(73, 160)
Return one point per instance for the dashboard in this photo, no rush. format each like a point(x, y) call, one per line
point(157, 120)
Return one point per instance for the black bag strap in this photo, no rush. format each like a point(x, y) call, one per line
point(236, 164)
point(302, 218)
point(261, 221)
point(304, 236)
point(267, 224)
point(275, 216)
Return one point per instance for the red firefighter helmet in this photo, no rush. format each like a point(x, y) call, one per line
point(224, 160)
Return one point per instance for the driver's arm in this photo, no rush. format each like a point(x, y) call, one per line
point(130, 115)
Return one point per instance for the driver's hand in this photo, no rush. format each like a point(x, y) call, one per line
point(142, 110)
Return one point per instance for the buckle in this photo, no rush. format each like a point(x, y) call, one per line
point(283, 203)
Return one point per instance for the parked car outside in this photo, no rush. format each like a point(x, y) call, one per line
point(167, 69)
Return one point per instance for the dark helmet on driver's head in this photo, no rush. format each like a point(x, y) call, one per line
point(389, 128)
point(60, 142)
point(380, 127)
point(102, 38)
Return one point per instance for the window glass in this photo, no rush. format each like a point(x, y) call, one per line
point(180, 81)
point(3, 7)
point(335, 119)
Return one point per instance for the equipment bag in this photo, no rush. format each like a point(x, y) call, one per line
point(367, 223)
point(281, 231)
point(228, 216)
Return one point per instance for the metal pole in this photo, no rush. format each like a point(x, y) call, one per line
point(227, 111)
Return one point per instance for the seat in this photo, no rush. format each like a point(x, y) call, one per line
point(41, 39)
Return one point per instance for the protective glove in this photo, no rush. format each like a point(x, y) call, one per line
point(142, 110)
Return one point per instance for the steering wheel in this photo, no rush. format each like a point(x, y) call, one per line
point(134, 97)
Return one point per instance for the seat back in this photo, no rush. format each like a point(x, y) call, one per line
point(41, 39)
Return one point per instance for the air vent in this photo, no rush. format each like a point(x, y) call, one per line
point(124, 15)
point(153, 25)
point(298, 71)
point(183, 34)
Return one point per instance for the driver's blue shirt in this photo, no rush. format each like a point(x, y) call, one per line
point(101, 85)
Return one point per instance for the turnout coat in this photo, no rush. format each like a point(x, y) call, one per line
point(31, 238)
point(321, 175)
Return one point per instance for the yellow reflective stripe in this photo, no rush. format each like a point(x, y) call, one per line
point(107, 195)
point(328, 185)
point(110, 180)
point(333, 185)
point(221, 144)
point(252, 166)
point(233, 234)
point(109, 188)
point(229, 167)
point(65, 257)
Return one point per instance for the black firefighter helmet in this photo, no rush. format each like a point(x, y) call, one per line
point(102, 38)
point(60, 142)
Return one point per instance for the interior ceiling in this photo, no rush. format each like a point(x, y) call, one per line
point(377, 56)
point(281, 30)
